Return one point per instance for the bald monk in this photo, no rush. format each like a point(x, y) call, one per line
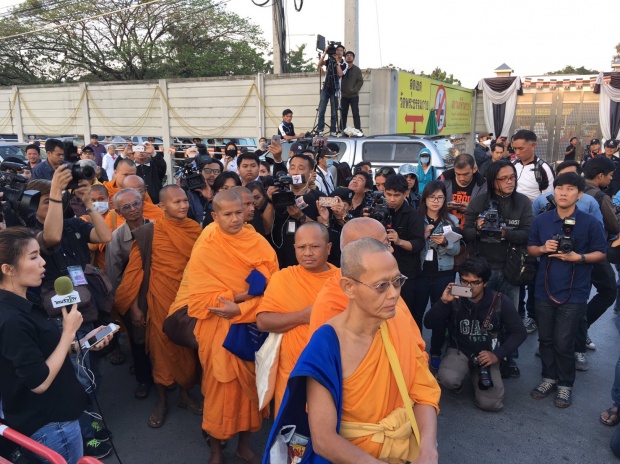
point(355, 411)
point(150, 211)
point(218, 297)
point(124, 168)
point(247, 200)
point(290, 295)
point(172, 241)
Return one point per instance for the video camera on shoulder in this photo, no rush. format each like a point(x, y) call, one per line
point(20, 205)
point(490, 232)
point(284, 196)
point(190, 170)
point(566, 244)
point(376, 205)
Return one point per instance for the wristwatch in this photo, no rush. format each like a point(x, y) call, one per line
point(583, 259)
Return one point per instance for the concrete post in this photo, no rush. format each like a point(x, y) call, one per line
point(165, 128)
point(85, 113)
point(351, 27)
point(17, 115)
point(277, 34)
point(260, 108)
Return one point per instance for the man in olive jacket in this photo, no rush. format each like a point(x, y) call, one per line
point(352, 82)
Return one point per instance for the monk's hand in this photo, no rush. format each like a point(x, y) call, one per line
point(137, 317)
point(446, 296)
point(487, 358)
point(305, 314)
point(241, 297)
point(229, 310)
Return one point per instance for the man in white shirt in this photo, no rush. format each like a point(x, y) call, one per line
point(534, 175)
point(324, 180)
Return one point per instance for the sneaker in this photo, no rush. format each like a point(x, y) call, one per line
point(101, 433)
point(543, 390)
point(581, 363)
point(97, 449)
point(530, 325)
point(458, 389)
point(435, 362)
point(589, 344)
point(564, 398)
point(513, 369)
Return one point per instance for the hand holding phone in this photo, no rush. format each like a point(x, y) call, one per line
point(461, 290)
point(96, 339)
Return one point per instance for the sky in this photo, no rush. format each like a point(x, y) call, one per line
point(468, 39)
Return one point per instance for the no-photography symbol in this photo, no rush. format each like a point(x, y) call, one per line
point(440, 107)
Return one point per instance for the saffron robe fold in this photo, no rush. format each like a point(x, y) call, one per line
point(218, 267)
point(369, 396)
point(172, 245)
point(292, 289)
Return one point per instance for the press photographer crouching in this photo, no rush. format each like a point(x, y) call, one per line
point(476, 315)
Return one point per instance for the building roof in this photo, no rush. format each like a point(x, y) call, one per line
point(504, 68)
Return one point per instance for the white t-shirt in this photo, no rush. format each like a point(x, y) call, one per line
point(526, 180)
point(108, 165)
point(320, 185)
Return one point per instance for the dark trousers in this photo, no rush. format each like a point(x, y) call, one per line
point(557, 330)
point(528, 303)
point(141, 360)
point(430, 287)
point(344, 111)
point(328, 96)
point(604, 280)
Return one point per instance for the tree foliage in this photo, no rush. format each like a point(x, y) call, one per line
point(442, 76)
point(166, 39)
point(298, 63)
point(568, 69)
point(617, 55)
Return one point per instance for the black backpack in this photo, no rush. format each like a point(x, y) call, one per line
point(542, 179)
point(343, 174)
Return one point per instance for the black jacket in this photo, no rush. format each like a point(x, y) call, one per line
point(481, 154)
point(153, 174)
point(470, 337)
point(516, 210)
point(409, 224)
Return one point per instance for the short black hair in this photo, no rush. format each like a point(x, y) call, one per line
point(308, 158)
point(567, 164)
point(33, 146)
point(397, 183)
point(247, 156)
point(572, 138)
point(495, 145)
point(287, 111)
point(219, 163)
point(52, 144)
point(350, 52)
point(524, 134)
point(570, 178)
point(478, 267)
point(340, 46)
point(366, 176)
point(256, 185)
point(464, 160)
point(598, 165)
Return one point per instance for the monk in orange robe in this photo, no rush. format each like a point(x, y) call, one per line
point(98, 194)
point(124, 168)
point(290, 296)
point(150, 211)
point(218, 298)
point(347, 375)
point(331, 301)
point(173, 238)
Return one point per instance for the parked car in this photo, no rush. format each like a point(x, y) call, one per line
point(13, 149)
point(139, 140)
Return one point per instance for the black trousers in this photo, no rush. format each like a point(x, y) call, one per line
point(344, 111)
point(141, 360)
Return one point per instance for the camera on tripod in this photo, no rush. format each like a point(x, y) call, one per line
point(566, 244)
point(490, 232)
point(376, 205)
point(20, 205)
point(484, 374)
point(284, 196)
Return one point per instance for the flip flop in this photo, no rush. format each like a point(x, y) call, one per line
point(610, 413)
point(193, 406)
point(157, 417)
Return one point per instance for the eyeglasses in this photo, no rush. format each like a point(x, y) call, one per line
point(473, 283)
point(132, 205)
point(436, 199)
point(214, 171)
point(506, 179)
point(382, 287)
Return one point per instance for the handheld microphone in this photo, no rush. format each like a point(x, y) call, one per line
point(65, 295)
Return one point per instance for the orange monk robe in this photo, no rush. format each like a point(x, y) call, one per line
point(218, 268)
point(113, 189)
point(331, 301)
point(172, 246)
point(97, 250)
point(371, 394)
point(292, 289)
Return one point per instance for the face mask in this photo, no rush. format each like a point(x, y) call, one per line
point(101, 206)
point(330, 162)
point(486, 143)
point(263, 145)
point(425, 160)
point(231, 153)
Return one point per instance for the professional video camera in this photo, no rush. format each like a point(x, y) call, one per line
point(376, 205)
point(332, 47)
point(190, 171)
point(78, 172)
point(284, 196)
point(490, 232)
point(312, 144)
point(484, 374)
point(551, 204)
point(20, 205)
point(566, 243)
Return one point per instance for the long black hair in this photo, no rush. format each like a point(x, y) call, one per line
point(432, 187)
point(220, 180)
point(493, 171)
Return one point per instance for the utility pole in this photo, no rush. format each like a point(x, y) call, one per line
point(279, 37)
point(351, 27)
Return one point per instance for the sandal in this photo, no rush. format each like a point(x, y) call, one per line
point(142, 391)
point(193, 406)
point(117, 357)
point(157, 417)
point(613, 417)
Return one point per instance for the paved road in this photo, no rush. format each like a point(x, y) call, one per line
point(526, 431)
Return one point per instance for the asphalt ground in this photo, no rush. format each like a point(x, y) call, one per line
point(525, 431)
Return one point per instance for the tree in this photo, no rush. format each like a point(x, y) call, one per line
point(568, 69)
point(297, 63)
point(442, 76)
point(617, 55)
point(166, 39)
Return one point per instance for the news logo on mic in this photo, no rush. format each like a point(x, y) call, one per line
point(65, 295)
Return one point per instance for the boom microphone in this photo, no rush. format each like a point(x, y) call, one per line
point(65, 295)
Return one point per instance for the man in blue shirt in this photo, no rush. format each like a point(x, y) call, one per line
point(55, 157)
point(561, 300)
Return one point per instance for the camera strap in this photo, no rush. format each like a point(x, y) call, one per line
point(549, 294)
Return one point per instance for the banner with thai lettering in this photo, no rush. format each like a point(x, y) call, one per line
point(417, 96)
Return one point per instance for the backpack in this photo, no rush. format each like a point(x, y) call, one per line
point(613, 253)
point(542, 179)
point(343, 174)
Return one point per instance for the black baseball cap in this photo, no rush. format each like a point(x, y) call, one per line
point(94, 136)
point(595, 142)
point(612, 143)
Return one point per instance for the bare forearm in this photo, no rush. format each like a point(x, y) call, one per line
point(104, 234)
point(426, 417)
point(338, 450)
point(268, 218)
point(55, 361)
point(534, 251)
point(279, 322)
point(53, 224)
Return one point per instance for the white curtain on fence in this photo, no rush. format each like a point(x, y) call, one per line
point(607, 95)
point(508, 97)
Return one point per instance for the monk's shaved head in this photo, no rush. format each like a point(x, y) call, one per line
point(123, 193)
point(362, 227)
point(134, 182)
point(163, 193)
point(125, 162)
point(225, 196)
point(354, 254)
point(239, 190)
point(320, 228)
point(99, 188)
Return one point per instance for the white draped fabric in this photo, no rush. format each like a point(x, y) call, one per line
point(608, 94)
point(508, 96)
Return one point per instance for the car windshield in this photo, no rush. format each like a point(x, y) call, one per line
point(12, 150)
point(443, 146)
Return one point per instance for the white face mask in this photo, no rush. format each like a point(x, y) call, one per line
point(101, 206)
point(487, 143)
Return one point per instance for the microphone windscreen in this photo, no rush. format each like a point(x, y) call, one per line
point(63, 285)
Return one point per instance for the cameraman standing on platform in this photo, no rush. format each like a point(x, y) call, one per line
point(568, 242)
point(352, 83)
point(335, 68)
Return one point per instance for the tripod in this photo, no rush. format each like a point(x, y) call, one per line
point(331, 84)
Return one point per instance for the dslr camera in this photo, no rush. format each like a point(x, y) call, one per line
point(376, 205)
point(284, 196)
point(490, 232)
point(566, 244)
point(484, 374)
point(78, 172)
point(20, 205)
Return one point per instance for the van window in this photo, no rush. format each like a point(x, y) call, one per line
point(399, 152)
point(342, 148)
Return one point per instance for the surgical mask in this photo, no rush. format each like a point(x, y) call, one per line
point(101, 206)
point(330, 162)
point(263, 145)
point(487, 143)
point(425, 160)
point(231, 153)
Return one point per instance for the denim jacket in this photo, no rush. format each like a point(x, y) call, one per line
point(445, 254)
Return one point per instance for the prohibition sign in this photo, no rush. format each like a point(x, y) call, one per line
point(440, 107)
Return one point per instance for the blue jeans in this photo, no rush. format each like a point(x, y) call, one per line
point(327, 95)
point(63, 437)
point(499, 283)
point(557, 331)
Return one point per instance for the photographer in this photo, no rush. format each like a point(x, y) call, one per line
point(568, 242)
point(335, 68)
point(406, 233)
point(324, 180)
point(360, 183)
point(55, 157)
point(151, 167)
point(200, 198)
point(263, 206)
point(474, 325)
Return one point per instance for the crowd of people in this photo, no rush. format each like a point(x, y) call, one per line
point(330, 277)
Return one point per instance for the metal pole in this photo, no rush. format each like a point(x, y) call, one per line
point(351, 27)
point(260, 108)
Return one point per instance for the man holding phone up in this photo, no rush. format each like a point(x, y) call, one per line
point(474, 324)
